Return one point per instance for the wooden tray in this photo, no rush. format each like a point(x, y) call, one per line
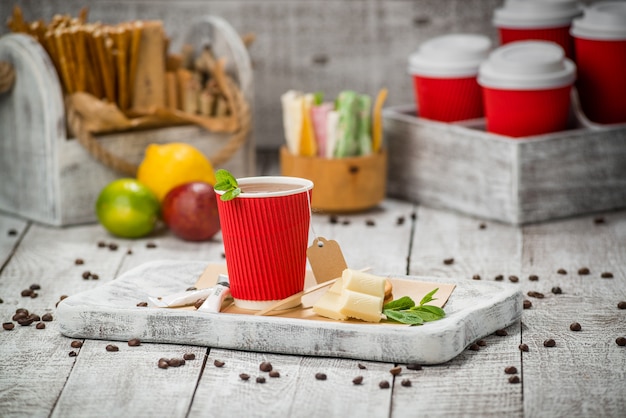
point(110, 312)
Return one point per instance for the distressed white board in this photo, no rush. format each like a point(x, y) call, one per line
point(109, 312)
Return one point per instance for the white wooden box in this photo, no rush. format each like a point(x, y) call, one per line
point(461, 167)
point(52, 179)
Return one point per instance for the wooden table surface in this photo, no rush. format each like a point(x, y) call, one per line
point(584, 375)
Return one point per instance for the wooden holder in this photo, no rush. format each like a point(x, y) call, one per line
point(340, 184)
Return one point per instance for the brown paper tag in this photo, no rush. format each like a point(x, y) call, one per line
point(326, 259)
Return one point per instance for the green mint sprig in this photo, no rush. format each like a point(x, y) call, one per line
point(226, 182)
point(405, 311)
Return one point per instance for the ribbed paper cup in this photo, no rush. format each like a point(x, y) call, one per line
point(526, 88)
point(600, 39)
point(543, 20)
point(444, 77)
point(265, 238)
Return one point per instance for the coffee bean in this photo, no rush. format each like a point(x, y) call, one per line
point(621, 305)
point(142, 304)
point(583, 271)
point(514, 379)
point(607, 275)
point(189, 356)
point(94, 276)
point(274, 373)
point(135, 342)
point(383, 384)
point(34, 317)
point(113, 246)
point(621, 341)
point(482, 226)
point(561, 271)
point(175, 362)
point(163, 364)
point(34, 295)
point(513, 279)
point(598, 220)
point(260, 379)
point(527, 304)
point(501, 333)
point(47, 317)
point(244, 376)
point(12, 232)
point(474, 347)
point(510, 370)
point(448, 261)
point(575, 326)
point(266, 366)
point(76, 344)
point(102, 244)
point(129, 251)
point(112, 348)
point(199, 303)
point(19, 315)
point(499, 278)
point(40, 325)
point(370, 222)
point(333, 219)
point(86, 275)
point(413, 366)
point(406, 383)
point(8, 325)
point(413, 215)
point(72, 353)
point(549, 343)
point(25, 321)
point(151, 245)
point(79, 261)
point(481, 343)
point(357, 380)
point(27, 292)
point(320, 376)
point(346, 222)
point(396, 370)
point(476, 277)
point(400, 220)
point(218, 363)
point(182, 361)
point(1, 300)
point(557, 290)
point(523, 347)
point(533, 277)
point(534, 294)
point(35, 286)
point(361, 366)
point(223, 255)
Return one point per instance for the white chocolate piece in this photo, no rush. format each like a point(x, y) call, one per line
point(328, 306)
point(361, 306)
point(361, 282)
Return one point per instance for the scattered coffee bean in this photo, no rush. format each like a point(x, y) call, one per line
point(22, 310)
point(561, 271)
point(135, 342)
point(514, 379)
point(527, 304)
point(163, 364)
point(112, 348)
point(370, 222)
point(621, 305)
point(25, 321)
point(218, 363)
point(94, 276)
point(40, 325)
point(406, 383)
point(191, 288)
point(513, 279)
point(175, 362)
point(523, 347)
point(266, 366)
point(34, 295)
point(499, 278)
point(47, 317)
point(396, 370)
point(102, 244)
point(142, 304)
point(8, 326)
point(19, 315)
point(223, 255)
point(189, 356)
point(35, 286)
point(86, 275)
point(383, 384)
point(533, 277)
point(607, 275)
point(510, 370)
point(575, 326)
point(27, 292)
point(413, 215)
point(482, 226)
point(244, 376)
point(129, 251)
point(448, 261)
point(346, 222)
point(621, 341)
point(34, 317)
point(534, 294)
point(481, 343)
point(583, 271)
point(260, 379)
point(274, 373)
point(113, 246)
point(151, 245)
point(12, 232)
point(501, 333)
point(333, 219)
point(549, 343)
point(413, 366)
point(598, 220)
point(474, 347)
point(79, 261)
point(361, 366)
point(76, 344)
point(320, 376)
point(199, 303)
point(400, 220)
point(557, 290)
point(72, 353)
point(476, 277)
point(357, 380)
point(1, 300)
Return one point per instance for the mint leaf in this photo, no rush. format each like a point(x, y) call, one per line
point(404, 317)
point(231, 194)
point(404, 302)
point(403, 310)
point(426, 315)
point(428, 297)
point(226, 182)
point(435, 310)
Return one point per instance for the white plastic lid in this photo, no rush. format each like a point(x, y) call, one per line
point(603, 21)
point(454, 55)
point(534, 14)
point(527, 65)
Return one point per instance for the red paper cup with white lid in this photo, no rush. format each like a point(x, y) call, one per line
point(600, 41)
point(547, 20)
point(526, 88)
point(444, 73)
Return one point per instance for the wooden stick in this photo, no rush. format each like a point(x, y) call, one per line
point(294, 297)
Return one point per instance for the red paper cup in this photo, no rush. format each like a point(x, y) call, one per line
point(560, 36)
point(444, 73)
point(265, 238)
point(600, 40)
point(526, 87)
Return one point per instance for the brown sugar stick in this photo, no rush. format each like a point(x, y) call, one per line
point(187, 94)
point(50, 46)
point(149, 86)
point(95, 72)
point(65, 72)
point(173, 62)
point(121, 41)
point(133, 55)
point(172, 90)
point(207, 102)
point(80, 53)
point(187, 53)
point(17, 24)
point(83, 14)
point(110, 52)
point(107, 77)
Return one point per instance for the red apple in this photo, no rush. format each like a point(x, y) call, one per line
point(190, 211)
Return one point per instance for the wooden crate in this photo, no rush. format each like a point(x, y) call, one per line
point(50, 178)
point(517, 181)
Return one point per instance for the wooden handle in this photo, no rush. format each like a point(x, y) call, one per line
point(7, 76)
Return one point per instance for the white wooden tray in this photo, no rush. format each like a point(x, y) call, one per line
point(110, 312)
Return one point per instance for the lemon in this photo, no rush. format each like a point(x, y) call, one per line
point(169, 165)
point(127, 208)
